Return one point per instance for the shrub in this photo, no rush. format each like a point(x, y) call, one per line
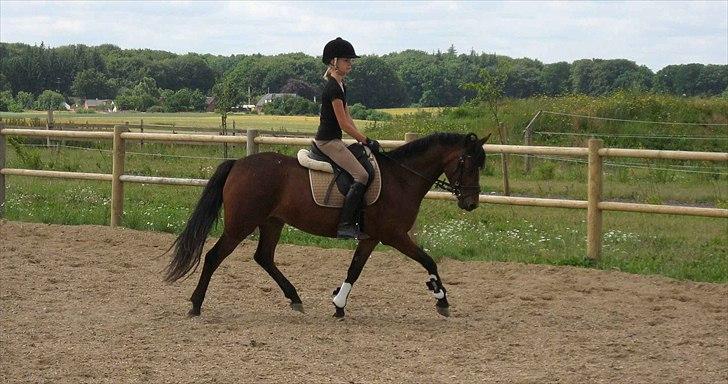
point(156, 109)
point(291, 105)
point(360, 112)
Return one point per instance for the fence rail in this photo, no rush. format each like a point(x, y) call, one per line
point(595, 154)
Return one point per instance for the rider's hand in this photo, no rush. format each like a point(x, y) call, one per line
point(373, 145)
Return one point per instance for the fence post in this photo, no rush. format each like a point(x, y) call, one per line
point(410, 136)
point(49, 126)
point(117, 187)
point(594, 214)
point(141, 130)
point(3, 151)
point(224, 145)
point(528, 140)
point(251, 147)
point(504, 160)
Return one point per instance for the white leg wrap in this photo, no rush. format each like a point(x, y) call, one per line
point(438, 295)
point(341, 297)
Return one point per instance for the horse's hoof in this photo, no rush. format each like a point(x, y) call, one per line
point(297, 307)
point(339, 313)
point(193, 313)
point(444, 311)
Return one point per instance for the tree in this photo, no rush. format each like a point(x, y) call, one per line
point(300, 88)
point(25, 99)
point(601, 77)
point(182, 100)
point(375, 84)
point(188, 71)
point(142, 97)
point(90, 84)
point(49, 100)
point(226, 96)
point(555, 78)
point(522, 81)
point(6, 101)
point(490, 89)
point(290, 106)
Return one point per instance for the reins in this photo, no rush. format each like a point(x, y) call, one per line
point(456, 189)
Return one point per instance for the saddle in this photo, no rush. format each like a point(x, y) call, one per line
point(324, 174)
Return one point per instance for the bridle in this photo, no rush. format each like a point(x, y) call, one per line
point(455, 188)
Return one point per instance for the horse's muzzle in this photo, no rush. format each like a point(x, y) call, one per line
point(468, 204)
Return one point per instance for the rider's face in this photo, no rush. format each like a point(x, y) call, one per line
point(343, 66)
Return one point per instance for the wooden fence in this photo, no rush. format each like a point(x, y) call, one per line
point(595, 154)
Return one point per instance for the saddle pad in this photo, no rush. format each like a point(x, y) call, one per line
point(320, 182)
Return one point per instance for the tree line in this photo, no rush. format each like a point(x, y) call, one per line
point(142, 79)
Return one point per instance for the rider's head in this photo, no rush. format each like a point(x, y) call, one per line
point(338, 55)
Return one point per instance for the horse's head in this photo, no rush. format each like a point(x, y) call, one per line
point(463, 171)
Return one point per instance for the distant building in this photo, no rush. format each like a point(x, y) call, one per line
point(268, 97)
point(99, 105)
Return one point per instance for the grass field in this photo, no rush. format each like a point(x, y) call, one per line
point(683, 247)
point(677, 246)
point(190, 119)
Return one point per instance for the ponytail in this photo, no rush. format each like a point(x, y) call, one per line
point(327, 74)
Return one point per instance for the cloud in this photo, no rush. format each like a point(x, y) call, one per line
point(646, 32)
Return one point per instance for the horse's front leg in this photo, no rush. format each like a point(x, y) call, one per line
point(361, 255)
point(404, 244)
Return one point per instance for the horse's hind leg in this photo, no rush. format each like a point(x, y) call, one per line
point(270, 233)
point(214, 257)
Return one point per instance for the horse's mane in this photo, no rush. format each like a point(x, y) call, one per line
point(419, 146)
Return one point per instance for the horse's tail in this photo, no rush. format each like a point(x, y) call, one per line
point(188, 245)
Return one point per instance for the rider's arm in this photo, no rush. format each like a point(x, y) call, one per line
point(345, 121)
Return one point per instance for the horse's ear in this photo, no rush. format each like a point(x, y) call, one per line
point(485, 139)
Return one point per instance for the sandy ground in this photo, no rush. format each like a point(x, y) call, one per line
point(87, 304)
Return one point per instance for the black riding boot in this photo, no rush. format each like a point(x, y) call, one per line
point(348, 229)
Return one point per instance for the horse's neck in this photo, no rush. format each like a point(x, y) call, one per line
point(431, 165)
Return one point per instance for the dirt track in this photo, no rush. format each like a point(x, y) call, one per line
point(87, 304)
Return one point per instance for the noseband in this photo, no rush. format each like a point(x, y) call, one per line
point(457, 188)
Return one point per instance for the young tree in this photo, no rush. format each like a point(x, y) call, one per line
point(49, 100)
point(6, 101)
point(25, 99)
point(490, 88)
point(490, 91)
point(226, 97)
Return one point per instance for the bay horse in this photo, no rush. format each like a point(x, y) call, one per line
point(268, 190)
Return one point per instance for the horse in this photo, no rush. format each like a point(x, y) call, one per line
point(268, 190)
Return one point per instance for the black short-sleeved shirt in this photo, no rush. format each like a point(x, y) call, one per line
point(329, 128)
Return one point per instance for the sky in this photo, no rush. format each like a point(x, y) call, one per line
point(651, 33)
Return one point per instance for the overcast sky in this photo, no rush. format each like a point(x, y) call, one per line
point(650, 33)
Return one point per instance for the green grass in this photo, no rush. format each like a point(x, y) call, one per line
point(677, 246)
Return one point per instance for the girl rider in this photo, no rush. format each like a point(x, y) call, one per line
point(335, 117)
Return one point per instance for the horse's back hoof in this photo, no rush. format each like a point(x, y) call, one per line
point(298, 307)
point(339, 313)
point(444, 311)
point(193, 313)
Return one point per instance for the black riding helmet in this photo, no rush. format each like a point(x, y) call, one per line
point(338, 48)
